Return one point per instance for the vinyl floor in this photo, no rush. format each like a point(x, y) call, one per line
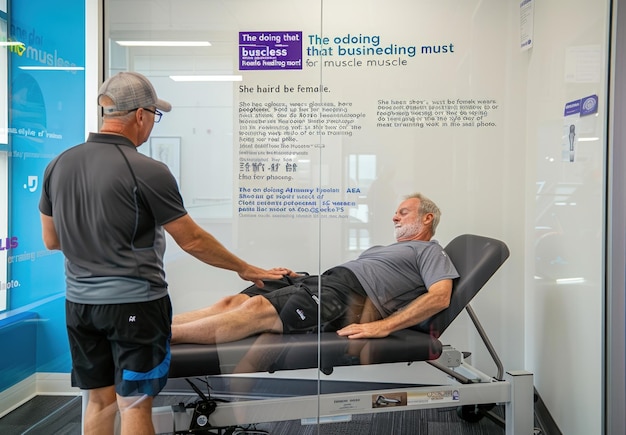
point(60, 415)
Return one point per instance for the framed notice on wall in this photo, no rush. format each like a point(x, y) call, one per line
point(167, 150)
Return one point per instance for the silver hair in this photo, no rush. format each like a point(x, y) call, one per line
point(125, 115)
point(427, 206)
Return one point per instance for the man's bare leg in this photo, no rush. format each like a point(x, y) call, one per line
point(225, 304)
point(254, 316)
point(100, 412)
point(136, 415)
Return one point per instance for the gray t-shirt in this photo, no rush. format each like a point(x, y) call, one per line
point(395, 275)
point(109, 219)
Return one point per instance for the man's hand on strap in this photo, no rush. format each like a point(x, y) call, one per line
point(257, 274)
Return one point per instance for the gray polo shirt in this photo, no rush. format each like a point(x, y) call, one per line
point(395, 275)
point(108, 203)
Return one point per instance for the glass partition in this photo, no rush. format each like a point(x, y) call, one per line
point(299, 126)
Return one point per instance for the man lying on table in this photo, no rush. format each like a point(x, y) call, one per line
point(386, 289)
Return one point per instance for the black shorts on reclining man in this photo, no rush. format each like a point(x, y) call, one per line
point(297, 300)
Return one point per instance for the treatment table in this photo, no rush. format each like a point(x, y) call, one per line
point(476, 258)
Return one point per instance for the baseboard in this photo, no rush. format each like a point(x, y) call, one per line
point(50, 384)
point(18, 394)
point(55, 384)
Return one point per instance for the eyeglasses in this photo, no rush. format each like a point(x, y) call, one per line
point(157, 114)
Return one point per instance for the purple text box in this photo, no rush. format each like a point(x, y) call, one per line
point(270, 50)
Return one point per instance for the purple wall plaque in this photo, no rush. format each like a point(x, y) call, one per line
point(270, 50)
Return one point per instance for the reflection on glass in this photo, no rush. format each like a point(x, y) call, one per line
point(4, 139)
point(3, 82)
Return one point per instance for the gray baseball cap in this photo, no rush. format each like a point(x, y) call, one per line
point(129, 91)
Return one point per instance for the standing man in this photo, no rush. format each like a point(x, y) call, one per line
point(105, 205)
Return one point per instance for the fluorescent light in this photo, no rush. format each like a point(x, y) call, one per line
point(10, 43)
point(588, 139)
point(164, 43)
point(576, 280)
point(52, 68)
point(208, 78)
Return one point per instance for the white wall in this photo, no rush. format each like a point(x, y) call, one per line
point(565, 205)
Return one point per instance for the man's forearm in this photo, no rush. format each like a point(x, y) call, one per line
point(202, 245)
point(422, 308)
point(209, 250)
point(425, 306)
point(416, 312)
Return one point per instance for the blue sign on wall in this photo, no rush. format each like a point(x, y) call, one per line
point(46, 116)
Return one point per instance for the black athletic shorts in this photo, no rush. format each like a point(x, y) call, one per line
point(299, 301)
point(126, 345)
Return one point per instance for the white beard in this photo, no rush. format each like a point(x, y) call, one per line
point(407, 231)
